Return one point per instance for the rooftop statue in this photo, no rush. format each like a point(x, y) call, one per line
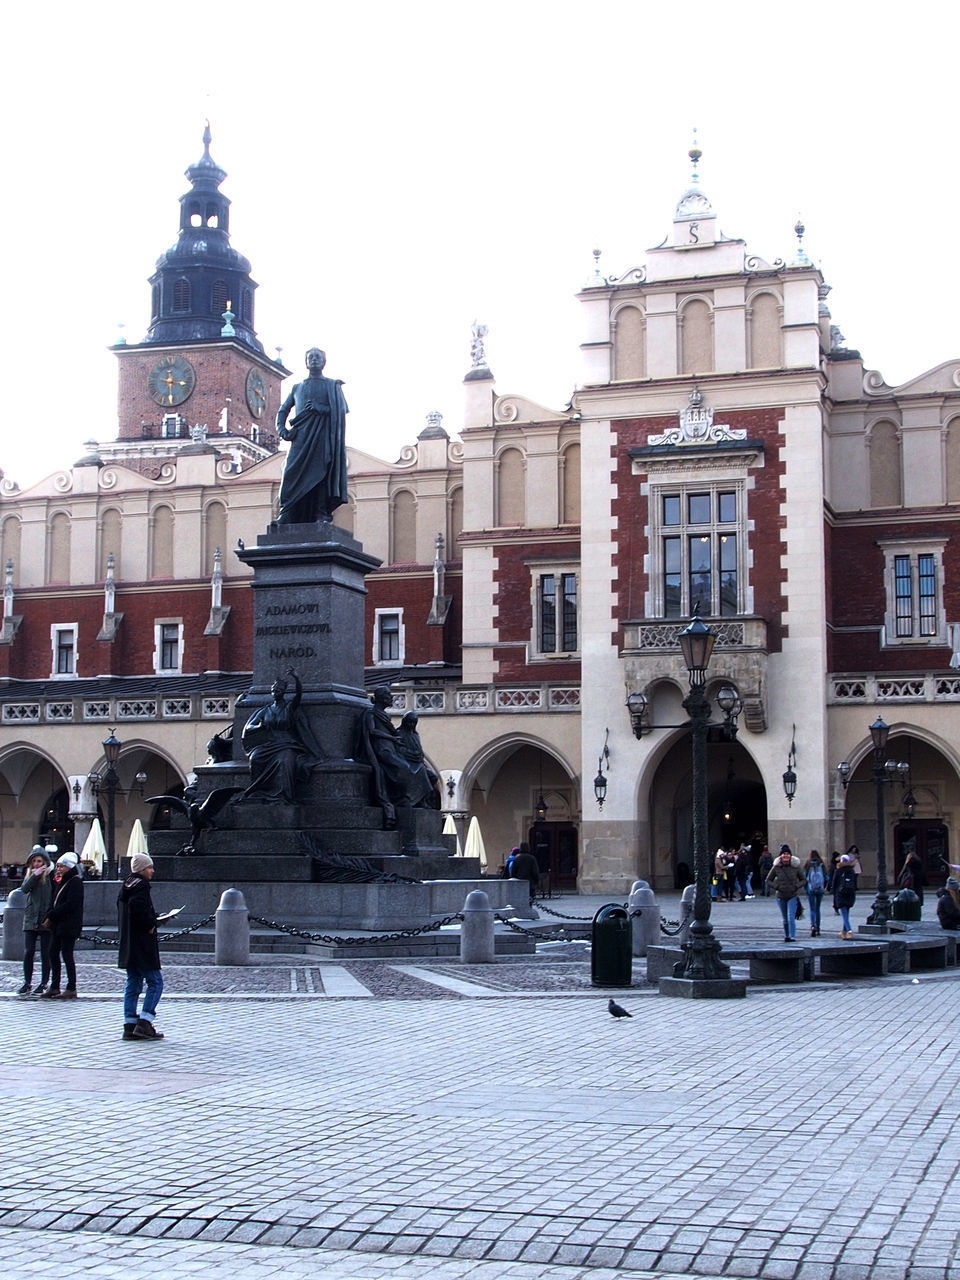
point(314, 479)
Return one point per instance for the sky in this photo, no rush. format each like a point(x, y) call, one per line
point(398, 171)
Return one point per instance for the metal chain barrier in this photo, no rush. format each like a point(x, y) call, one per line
point(672, 927)
point(539, 904)
point(355, 942)
point(99, 940)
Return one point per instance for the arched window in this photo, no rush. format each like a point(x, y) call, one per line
point(630, 355)
point(246, 307)
point(952, 467)
point(766, 350)
point(59, 548)
point(218, 297)
point(570, 485)
point(511, 504)
point(161, 543)
point(696, 338)
point(403, 541)
point(11, 546)
point(455, 508)
point(111, 527)
point(345, 517)
point(883, 443)
point(155, 301)
point(213, 216)
point(195, 216)
point(214, 533)
point(181, 295)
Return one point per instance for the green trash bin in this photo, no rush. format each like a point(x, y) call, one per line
point(906, 906)
point(611, 949)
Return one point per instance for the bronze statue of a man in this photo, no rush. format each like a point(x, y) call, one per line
point(314, 479)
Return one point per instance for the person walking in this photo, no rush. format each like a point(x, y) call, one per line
point(38, 886)
point(786, 881)
point(65, 921)
point(815, 875)
point(139, 952)
point(845, 892)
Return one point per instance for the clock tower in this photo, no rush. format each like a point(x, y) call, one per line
point(201, 373)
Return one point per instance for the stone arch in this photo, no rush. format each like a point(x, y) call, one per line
point(214, 532)
point(111, 536)
point(885, 464)
point(403, 527)
point(764, 330)
point(454, 523)
point(511, 478)
point(570, 484)
point(695, 338)
point(630, 335)
point(59, 543)
point(10, 545)
point(162, 530)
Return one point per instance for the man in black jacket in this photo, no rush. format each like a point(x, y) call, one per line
point(139, 951)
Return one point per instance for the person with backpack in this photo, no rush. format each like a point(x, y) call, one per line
point(815, 875)
point(845, 892)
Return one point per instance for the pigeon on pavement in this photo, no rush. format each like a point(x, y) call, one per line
point(617, 1010)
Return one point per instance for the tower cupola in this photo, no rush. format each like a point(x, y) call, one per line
point(201, 276)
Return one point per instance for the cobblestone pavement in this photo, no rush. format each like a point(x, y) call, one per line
point(418, 1119)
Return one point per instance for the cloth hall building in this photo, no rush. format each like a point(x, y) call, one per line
point(723, 449)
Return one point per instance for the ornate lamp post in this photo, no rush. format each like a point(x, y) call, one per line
point(883, 771)
point(702, 953)
point(880, 732)
point(111, 751)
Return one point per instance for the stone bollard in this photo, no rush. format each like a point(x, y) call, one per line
point(646, 926)
point(476, 931)
point(686, 912)
point(232, 945)
point(13, 913)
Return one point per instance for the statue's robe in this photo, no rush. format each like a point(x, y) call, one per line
point(314, 479)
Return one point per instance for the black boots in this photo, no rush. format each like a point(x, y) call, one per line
point(145, 1031)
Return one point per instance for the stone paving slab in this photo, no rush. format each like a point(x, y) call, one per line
point(799, 1133)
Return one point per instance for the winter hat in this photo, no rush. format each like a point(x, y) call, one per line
point(67, 860)
point(785, 848)
point(140, 861)
point(953, 882)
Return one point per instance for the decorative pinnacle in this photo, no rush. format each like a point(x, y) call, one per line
point(695, 153)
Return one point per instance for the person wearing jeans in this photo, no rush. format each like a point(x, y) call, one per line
point(139, 951)
point(815, 874)
point(786, 881)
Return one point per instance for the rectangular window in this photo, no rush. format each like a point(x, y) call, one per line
point(388, 638)
point(555, 607)
point(64, 651)
point(701, 570)
point(169, 646)
point(913, 576)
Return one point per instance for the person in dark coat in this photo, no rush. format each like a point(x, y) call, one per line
point(948, 905)
point(65, 922)
point(38, 887)
point(913, 875)
point(139, 951)
point(525, 868)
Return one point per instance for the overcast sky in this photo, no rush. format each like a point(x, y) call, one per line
point(399, 170)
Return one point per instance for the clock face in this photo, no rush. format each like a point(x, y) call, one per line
point(256, 393)
point(171, 380)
